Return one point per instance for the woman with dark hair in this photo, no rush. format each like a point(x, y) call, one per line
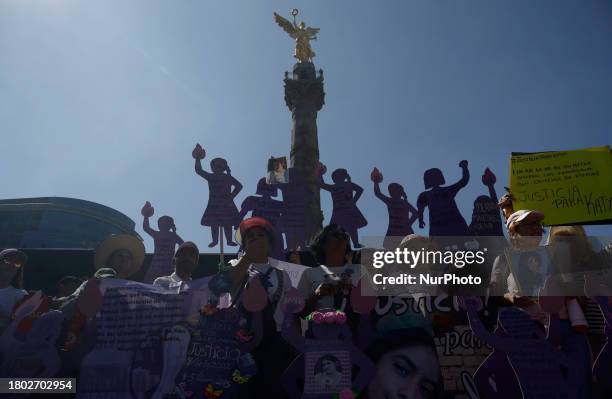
point(12, 262)
point(328, 371)
point(407, 366)
point(328, 285)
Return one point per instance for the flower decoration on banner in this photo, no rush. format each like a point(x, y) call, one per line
point(239, 378)
point(243, 336)
point(208, 310)
point(211, 393)
point(332, 317)
point(183, 390)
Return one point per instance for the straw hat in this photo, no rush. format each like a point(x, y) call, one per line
point(116, 242)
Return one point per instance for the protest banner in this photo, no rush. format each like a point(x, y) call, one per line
point(132, 315)
point(569, 187)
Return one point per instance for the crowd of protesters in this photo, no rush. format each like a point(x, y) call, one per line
point(402, 349)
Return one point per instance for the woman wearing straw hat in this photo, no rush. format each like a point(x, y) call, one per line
point(119, 256)
point(122, 253)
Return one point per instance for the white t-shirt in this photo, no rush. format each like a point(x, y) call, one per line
point(273, 284)
point(8, 297)
point(315, 276)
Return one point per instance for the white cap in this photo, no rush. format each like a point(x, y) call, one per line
point(522, 215)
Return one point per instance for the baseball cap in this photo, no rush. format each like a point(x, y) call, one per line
point(524, 215)
point(250, 223)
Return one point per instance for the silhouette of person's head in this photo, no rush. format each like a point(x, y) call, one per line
point(483, 205)
point(12, 262)
point(340, 175)
point(331, 245)
point(165, 223)
point(396, 190)
point(433, 178)
point(264, 188)
point(218, 165)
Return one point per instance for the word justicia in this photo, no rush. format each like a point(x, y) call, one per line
point(404, 256)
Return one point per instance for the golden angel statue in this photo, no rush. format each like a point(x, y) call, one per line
point(301, 33)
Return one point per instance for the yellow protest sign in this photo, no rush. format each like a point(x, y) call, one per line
point(569, 187)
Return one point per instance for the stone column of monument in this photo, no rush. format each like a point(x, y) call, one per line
point(304, 97)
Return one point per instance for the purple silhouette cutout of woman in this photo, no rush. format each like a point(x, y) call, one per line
point(444, 216)
point(223, 188)
point(265, 206)
point(495, 377)
point(165, 241)
point(345, 195)
point(486, 218)
point(401, 212)
point(536, 361)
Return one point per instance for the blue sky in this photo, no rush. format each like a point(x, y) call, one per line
point(105, 100)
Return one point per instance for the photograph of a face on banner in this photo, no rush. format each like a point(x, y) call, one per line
point(529, 270)
point(327, 372)
point(277, 171)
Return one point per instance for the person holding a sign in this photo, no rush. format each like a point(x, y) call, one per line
point(273, 354)
point(329, 284)
point(526, 231)
point(119, 256)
